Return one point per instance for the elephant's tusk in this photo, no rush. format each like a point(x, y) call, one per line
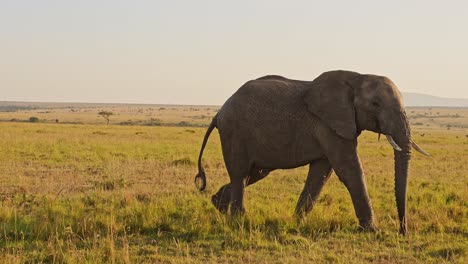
point(393, 143)
point(419, 149)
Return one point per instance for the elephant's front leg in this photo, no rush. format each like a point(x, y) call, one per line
point(319, 173)
point(349, 171)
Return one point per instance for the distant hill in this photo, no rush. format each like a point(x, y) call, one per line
point(417, 99)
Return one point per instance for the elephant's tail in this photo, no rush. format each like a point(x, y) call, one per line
point(200, 178)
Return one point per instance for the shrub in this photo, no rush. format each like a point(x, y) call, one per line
point(33, 119)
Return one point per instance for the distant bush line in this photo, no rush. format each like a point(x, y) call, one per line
point(434, 116)
point(34, 119)
point(123, 123)
point(159, 123)
point(15, 108)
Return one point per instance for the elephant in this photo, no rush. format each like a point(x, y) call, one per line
point(278, 123)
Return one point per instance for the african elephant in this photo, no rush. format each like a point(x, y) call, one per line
point(278, 123)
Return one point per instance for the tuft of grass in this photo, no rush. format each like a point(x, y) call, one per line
point(182, 162)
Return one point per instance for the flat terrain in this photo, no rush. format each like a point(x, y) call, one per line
point(123, 114)
point(80, 191)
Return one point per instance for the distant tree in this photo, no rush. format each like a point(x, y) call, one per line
point(33, 119)
point(106, 115)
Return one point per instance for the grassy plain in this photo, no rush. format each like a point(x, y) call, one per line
point(79, 191)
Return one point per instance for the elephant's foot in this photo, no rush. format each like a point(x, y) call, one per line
point(222, 199)
point(237, 211)
point(220, 203)
point(367, 227)
point(303, 207)
point(299, 215)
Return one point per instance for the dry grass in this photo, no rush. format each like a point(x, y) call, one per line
point(125, 194)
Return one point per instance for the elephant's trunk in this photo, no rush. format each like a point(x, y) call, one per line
point(401, 178)
point(402, 157)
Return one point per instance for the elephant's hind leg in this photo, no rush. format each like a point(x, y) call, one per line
point(222, 198)
point(237, 191)
point(238, 167)
point(239, 183)
point(319, 173)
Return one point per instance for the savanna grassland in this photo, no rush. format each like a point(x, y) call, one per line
point(75, 190)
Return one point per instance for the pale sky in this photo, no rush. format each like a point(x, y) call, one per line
point(200, 52)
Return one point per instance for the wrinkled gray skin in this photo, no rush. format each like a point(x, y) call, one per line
point(277, 123)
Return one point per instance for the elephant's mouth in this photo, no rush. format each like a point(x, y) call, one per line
point(413, 145)
point(389, 138)
point(394, 144)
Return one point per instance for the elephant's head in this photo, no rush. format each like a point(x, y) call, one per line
point(349, 102)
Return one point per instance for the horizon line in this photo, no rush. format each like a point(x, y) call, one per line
point(187, 105)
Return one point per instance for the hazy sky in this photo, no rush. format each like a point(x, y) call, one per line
point(200, 52)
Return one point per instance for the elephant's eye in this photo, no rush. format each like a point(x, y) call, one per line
point(375, 104)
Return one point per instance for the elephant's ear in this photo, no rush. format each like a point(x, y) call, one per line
point(330, 97)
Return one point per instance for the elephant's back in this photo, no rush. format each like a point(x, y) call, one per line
point(272, 89)
point(269, 104)
point(264, 99)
